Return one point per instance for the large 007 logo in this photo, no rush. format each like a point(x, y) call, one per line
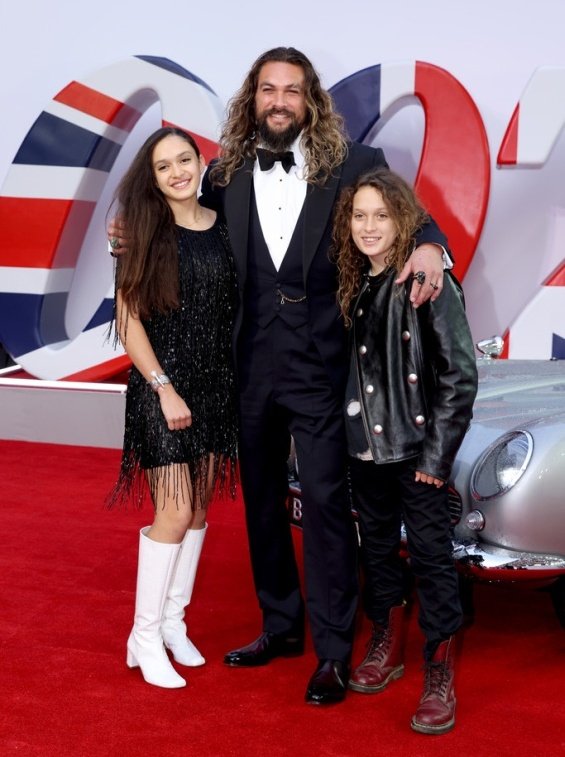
point(55, 280)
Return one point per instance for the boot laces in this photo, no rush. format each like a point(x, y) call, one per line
point(378, 645)
point(437, 679)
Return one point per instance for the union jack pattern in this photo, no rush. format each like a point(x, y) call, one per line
point(55, 284)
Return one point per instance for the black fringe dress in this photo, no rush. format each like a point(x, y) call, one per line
point(193, 347)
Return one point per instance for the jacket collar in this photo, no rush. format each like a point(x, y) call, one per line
point(317, 214)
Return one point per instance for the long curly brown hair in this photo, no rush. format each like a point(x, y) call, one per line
point(324, 139)
point(406, 212)
point(147, 274)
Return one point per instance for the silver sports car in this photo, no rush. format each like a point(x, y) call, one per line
point(508, 480)
point(507, 491)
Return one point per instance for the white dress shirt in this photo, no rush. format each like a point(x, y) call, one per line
point(280, 197)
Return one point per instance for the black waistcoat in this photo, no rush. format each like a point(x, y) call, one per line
point(263, 284)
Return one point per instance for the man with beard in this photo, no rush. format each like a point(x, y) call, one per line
point(283, 161)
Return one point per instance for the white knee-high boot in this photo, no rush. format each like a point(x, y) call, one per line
point(173, 627)
point(145, 648)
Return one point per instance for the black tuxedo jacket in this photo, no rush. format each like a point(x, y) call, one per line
point(320, 273)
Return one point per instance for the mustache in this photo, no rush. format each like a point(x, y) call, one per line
point(279, 112)
point(278, 140)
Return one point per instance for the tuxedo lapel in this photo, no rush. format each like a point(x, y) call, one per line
point(237, 200)
point(317, 214)
point(318, 207)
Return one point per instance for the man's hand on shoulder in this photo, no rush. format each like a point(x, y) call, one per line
point(118, 241)
point(425, 267)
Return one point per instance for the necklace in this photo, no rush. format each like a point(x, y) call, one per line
point(197, 220)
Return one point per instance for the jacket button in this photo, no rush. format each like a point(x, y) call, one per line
point(353, 408)
point(412, 378)
point(362, 350)
point(369, 388)
point(377, 429)
point(359, 312)
point(405, 336)
point(420, 420)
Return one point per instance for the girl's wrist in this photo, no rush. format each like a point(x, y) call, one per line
point(159, 381)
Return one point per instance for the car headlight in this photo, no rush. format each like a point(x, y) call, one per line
point(502, 465)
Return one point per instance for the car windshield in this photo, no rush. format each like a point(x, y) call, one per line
point(520, 388)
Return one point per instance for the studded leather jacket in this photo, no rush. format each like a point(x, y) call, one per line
point(416, 372)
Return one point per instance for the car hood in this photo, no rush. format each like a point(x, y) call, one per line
point(519, 392)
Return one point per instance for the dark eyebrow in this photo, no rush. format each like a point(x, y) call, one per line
point(166, 160)
point(293, 85)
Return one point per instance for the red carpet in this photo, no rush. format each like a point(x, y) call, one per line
point(67, 577)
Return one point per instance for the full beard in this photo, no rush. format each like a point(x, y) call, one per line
point(278, 141)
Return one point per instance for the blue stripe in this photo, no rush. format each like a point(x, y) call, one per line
point(174, 68)
point(20, 317)
point(52, 141)
point(52, 324)
point(558, 348)
point(358, 99)
point(31, 321)
point(103, 314)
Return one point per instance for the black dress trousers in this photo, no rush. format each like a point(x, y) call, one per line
point(284, 390)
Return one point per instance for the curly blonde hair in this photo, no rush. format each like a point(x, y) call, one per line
point(408, 216)
point(324, 139)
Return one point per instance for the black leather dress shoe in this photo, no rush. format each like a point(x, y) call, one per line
point(264, 649)
point(329, 683)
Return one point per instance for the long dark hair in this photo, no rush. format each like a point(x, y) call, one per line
point(324, 137)
point(406, 212)
point(147, 274)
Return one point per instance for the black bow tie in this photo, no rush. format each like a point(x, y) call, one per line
point(267, 159)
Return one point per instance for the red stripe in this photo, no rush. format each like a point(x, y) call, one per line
point(506, 350)
point(42, 233)
point(100, 106)
point(207, 147)
point(102, 371)
point(454, 175)
point(557, 278)
point(508, 153)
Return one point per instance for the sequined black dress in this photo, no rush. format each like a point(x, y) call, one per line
point(193, 346)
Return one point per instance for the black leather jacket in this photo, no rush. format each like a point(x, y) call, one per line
point(416, 372)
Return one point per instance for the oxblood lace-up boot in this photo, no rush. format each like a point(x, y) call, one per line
point(436, 712)
point(384, 661)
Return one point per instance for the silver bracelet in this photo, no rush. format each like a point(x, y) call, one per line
point(159, 381)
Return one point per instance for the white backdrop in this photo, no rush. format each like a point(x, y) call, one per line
point(491, 47)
